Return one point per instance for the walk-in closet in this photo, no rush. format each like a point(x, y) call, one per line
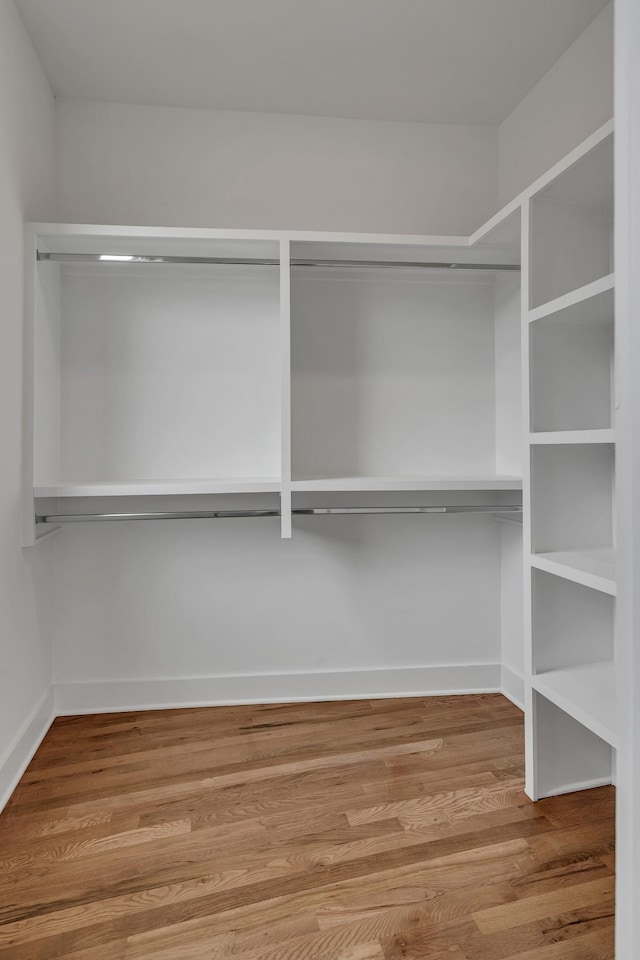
point(321, 430)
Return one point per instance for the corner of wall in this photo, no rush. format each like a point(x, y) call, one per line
point(27, 191)
point(20, 753)
point(573, 99)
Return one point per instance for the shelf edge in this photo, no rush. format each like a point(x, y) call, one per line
point(580, 295)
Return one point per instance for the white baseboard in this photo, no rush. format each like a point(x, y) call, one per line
point(119, 695)
point(575, 787)
point(65, 699)
point(19, 755)
point(512, 685)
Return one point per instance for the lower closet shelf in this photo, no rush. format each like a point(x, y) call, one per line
point(586, 692)
point(592, 567)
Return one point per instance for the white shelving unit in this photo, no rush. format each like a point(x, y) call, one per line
point(178, 363)
point(196, 363)
point(393, 368)
point(156, 364)
point(570, 582)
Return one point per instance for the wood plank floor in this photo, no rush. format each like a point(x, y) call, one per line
point(366, 830)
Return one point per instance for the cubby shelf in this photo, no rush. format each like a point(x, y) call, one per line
point(573, 436)
point(366, 483)
point(593, 567)
point(586, 693)
point(591, 303)
point(143, 488)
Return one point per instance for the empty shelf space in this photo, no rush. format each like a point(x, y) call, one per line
point(571, 373)
point(571, 249)
point(573, 436)
point(366, 483)
point(586, 693)
point(592, 303)
point(142, 488)
point(592, 567)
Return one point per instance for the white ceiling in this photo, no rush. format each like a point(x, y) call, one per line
point(447, 61)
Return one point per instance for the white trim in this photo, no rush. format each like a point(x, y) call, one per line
point(512, 685)
point(120, 695)
point(19, 755)
point(202, 233)
point(574, 787)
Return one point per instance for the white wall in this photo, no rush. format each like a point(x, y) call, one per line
point(26, 191)
point(572, 100)
point(149, 602)
point(228, 598)
point(176, 167)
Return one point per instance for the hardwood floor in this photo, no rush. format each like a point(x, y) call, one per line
point(368, 830)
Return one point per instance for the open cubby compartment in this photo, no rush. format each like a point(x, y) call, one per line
point(571, 362)
point(160, 372)
point(572, 624)
point(394, 368)
point(571, 498)
point(573, 651)
point(572, 227)
point(567, 756)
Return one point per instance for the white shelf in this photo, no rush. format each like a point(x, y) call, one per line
point(364, 483)
point(144, 488)
point(588, 304)
point(586, 692)
point(573, 436)
point(592, 567)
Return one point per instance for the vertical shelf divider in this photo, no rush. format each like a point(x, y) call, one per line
point(529, 700)
point(567, 273)
point(28, 386)
point(285, 389)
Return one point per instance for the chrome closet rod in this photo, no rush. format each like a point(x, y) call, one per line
point(297, 511)
point(268, 262)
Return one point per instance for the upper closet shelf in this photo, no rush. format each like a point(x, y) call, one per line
point(143, 488)
point(592, 303)
point(357, 484)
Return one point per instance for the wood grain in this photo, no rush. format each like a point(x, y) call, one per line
point(368, 830)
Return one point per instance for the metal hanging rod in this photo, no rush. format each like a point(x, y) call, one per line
point(269, 262)
point(297, 512)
